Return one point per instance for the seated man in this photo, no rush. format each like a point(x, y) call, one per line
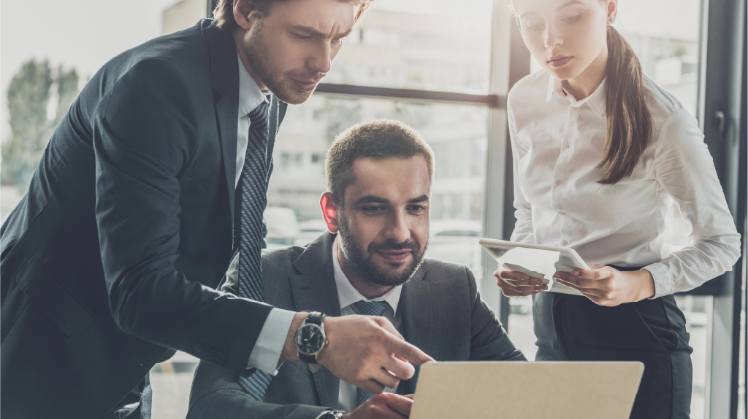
point(371, 262)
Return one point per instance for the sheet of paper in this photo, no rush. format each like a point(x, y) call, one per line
point(537, 263)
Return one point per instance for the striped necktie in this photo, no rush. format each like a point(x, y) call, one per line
point(252, 199)
point(368, 308)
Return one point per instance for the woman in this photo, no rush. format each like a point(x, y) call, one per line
point(600, 153)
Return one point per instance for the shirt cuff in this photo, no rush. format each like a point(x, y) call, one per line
point(267, 351)
point(663, 282)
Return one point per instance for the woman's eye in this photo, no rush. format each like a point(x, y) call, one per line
point(572, 19)
point(534, 26)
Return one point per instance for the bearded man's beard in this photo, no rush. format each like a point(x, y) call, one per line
point(365, 267)
point(258, 54)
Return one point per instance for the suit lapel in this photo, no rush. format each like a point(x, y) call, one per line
point(420, 316)
point(224, 74)
point(314, 289)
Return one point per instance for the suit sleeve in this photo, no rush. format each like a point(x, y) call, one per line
point(144, 132)
point(216, 394)
point(489, 340)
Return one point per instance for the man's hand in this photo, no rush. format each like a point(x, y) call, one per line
point(365, 351)
point(383, 406)
point(607, 286)
point(518, 284)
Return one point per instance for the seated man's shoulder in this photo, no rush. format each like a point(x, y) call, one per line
point(439, 270)
point(282, 254)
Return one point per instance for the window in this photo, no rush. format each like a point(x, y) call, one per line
point(457, 133)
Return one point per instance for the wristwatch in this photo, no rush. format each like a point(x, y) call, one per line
point(331, 414)
point(310, 339)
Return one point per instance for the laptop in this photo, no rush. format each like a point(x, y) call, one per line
point(526, 390)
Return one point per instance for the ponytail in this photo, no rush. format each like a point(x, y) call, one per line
point(629, 122)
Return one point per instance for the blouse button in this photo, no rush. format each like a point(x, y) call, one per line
point(564, 243)
point(557, 182)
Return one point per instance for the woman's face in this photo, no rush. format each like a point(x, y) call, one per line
point(565, 36)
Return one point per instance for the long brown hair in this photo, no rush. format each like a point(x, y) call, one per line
point(629, 122)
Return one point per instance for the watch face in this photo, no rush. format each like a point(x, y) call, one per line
point(310, 339)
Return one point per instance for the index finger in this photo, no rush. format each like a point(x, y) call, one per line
point(408, 352)
point(387, 325)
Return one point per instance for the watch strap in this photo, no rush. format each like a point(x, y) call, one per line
point(331, 414)
point(315, 317)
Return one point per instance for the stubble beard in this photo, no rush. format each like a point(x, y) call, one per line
point(365, 267)
point(258, 54)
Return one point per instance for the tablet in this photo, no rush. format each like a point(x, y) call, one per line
point(536, 261)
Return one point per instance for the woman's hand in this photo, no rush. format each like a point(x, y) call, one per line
point(607, 286)
point(518, 284)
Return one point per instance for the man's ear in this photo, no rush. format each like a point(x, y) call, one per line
point(244, 14)
point(329, 211)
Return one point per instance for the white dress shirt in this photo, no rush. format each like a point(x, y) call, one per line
point(347, 296)
point(266, 353)
point(557, 142)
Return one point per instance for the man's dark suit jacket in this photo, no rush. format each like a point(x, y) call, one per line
point(110, 258)
point(442, 314)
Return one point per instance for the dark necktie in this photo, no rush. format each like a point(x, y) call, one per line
point(368, 308)
point(252, 198)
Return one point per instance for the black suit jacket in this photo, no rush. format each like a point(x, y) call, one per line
point(127, 226)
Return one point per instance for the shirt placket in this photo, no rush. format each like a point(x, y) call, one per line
point(560, 189)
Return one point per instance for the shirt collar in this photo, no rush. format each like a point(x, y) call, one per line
point(250, 95)
point(348, 294)
point(595, 101)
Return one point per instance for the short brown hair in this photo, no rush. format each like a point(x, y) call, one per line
point(224, 11)
point(378, 140)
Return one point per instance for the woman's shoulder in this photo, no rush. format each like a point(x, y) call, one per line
point(531, 88)
point(672, 123)
point(662, 104)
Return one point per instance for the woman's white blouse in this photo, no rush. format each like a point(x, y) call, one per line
point(557, 143)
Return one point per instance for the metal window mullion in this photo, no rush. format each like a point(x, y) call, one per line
point(416, 95)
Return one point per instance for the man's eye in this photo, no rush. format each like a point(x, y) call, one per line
point(373, 209)
point(416, 208)
point(303, 37)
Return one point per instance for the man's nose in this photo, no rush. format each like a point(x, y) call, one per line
point(321, 60)
point(398, 229)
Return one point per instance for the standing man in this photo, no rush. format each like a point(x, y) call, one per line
point(155, 176)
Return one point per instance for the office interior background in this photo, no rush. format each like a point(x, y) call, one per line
point(443, 67)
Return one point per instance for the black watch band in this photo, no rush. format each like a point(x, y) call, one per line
point(331, 414)
point(315, 317)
